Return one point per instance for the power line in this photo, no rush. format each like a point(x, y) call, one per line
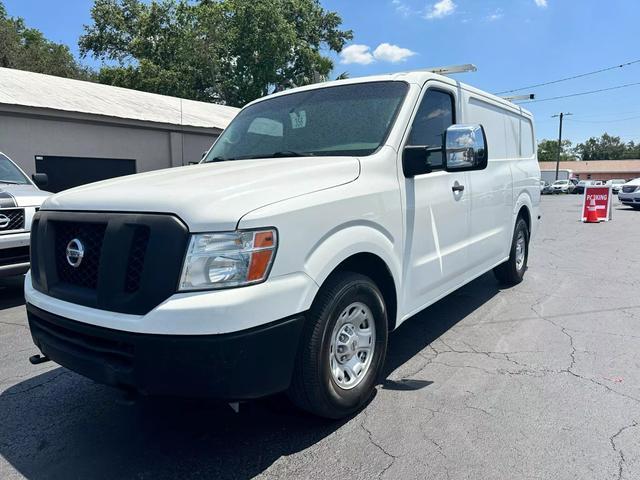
point(601, 114)
point(571, 78)
point(583, 93)
point(603, 121)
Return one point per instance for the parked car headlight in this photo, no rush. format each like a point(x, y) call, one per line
point(229, 259)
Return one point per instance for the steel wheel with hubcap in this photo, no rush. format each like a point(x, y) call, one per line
point(521, 249)
point(342, 348)
point(352, 345)
point(512, 271)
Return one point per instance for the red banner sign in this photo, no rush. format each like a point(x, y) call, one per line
point(596, 199)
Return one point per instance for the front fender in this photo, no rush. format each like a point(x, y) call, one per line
point(345, 241)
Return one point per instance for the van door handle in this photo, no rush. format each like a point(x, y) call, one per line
point(458, 188)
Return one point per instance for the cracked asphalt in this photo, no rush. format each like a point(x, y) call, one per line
point(539, 381)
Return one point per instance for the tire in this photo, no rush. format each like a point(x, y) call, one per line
point(635, 207)
point(315, 386)
point(512, 271)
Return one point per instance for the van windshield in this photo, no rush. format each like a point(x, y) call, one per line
point(351, 120)
point(9, 173)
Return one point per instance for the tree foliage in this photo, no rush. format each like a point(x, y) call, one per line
point(226, 51)
point(605, 147)
point(548, 151)
point(26, 48)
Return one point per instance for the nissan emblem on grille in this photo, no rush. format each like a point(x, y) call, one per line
point(4, 220)
point(75, 252)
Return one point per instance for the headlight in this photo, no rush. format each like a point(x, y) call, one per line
point(230, 259)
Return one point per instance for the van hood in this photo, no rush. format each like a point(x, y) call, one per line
point(211, 196)
point(21, 195)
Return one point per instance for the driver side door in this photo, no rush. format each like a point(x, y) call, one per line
point(437, 207)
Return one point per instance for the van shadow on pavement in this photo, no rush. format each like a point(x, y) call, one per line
point(11, 292)
point(60, 425)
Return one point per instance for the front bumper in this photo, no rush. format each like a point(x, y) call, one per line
point(235, 366)
point(196, 313)
point(14, 253)
point(629, 198)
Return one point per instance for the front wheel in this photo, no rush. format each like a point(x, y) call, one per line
point(343, 347)
point(512, 271)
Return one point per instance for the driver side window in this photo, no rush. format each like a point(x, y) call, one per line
point(434, 116)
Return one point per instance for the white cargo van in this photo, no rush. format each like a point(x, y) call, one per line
point(321, 219)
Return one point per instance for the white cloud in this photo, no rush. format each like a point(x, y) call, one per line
point(402, 8)
point(356, 54)
point(541, 3)
point(386, 52)
point(497, 15)
point(442, 9)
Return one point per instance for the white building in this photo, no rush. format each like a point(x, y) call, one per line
point(78, 132)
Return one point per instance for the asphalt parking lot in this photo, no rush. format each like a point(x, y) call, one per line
point(538, 381)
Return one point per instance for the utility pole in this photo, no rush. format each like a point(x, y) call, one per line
point(561, 115)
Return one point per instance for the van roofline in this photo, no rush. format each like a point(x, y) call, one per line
point(417, 77)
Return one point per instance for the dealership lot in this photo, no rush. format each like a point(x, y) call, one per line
point(537, 381)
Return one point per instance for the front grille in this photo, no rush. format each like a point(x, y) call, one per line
point(131, 261)
point(11, 219)
point(629, 189)
point(12, 256)
point(136, 259)
point(91, 235)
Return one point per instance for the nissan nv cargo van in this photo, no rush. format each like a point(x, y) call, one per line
point(321, 219)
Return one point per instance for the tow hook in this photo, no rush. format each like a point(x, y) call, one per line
point(38, 359)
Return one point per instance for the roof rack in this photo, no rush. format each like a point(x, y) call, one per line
point(450, 69)
point(520, 98)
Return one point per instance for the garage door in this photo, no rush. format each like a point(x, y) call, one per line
point(67, 172)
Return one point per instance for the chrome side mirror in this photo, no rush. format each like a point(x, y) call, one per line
point(465, 148)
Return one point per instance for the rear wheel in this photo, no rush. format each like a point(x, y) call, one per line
point(343, 347)
point(512, 271)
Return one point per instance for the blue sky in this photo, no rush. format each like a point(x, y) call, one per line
point(514, 43)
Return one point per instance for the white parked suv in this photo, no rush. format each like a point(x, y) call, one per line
point(20, 198)
point(320, 220)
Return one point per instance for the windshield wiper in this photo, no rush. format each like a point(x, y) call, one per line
point(288, 153)
point(217, 159)
point(10, 182)
point(281, 154)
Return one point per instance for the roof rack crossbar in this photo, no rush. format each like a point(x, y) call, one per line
point(519, 98)
point(450, 69)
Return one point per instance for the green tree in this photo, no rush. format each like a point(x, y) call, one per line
point(227, 51)
point(25, 48)
point(632, 151)
point(548, 151)
point(607, 147)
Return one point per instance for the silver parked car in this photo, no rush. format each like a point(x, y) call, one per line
point(561, 186)
point(20, 198)
point(629, 194)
